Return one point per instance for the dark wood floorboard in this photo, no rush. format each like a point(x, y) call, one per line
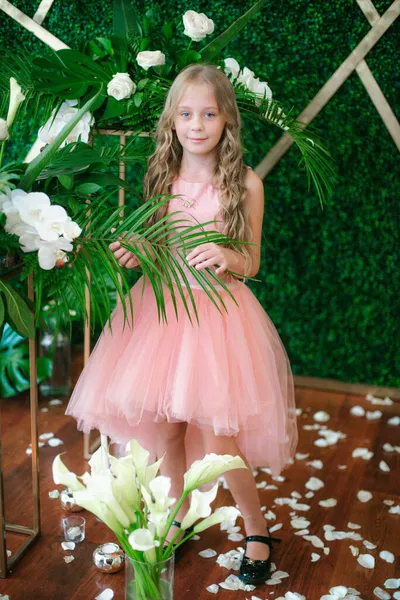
point(43, 575)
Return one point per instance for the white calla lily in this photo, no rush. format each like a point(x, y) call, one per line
point(61, 474)
point(143, 540)
point(220, 515)
point(4, 135)
point(211, 466)
point(90, 501)
point(16, 97)
point(140, 457)
point(199, 506)
point(158, 500)
point(101, 486)
point(124, 482)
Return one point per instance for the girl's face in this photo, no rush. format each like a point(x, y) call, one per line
point(198, 122)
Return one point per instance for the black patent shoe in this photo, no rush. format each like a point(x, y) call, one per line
point(256, 571)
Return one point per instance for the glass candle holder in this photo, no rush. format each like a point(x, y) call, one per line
point(74, 529)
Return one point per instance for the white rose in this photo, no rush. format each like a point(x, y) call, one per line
point(246, 77)
point(261, 88)
point(149, 59)
point(121, 86)
point(197, 25)
point(232, 67)
point(52, 128)
point(3, 130)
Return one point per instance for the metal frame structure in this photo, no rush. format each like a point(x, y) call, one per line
point(354, 62)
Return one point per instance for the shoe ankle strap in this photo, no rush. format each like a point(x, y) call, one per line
point(176, 523)
point(262, 538)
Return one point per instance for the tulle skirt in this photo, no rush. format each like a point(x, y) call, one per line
point(229, 375)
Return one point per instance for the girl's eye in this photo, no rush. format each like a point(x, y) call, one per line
point(184, 114)
point(212, 114)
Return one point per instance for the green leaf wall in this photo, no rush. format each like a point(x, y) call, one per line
point(330, 280)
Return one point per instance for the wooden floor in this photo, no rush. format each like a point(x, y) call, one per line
point(43, 574)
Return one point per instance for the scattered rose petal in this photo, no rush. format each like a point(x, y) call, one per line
point(232, 582)
point(372, 415)
point(309, 494)
point(354, 550)
point(353, 525)
point(366, 560)
point(362, 453)
point(364, 496)
point(300, 456)
point(270, 515)
point(314, 484)
point(208, 553)
point(395, 510)
point(54, 442)
point(386, 401)
point(279, 478)
point(392, 583)
point(326, 550)
point(195, 537)
point(276, 527)
point(28, 451)
point(321, 416)
point(299, 523)
point(54, 494)
point(384, 466)
point(280, 575)
point(328, 597)
point(315, 557)
point(46, 436)
point(394, 421)
point(369, 545)
point(271, 486)
point(302, 532)
point(235, 537)
point(339, 591)
point(388, 502)
point(55, 402)
point(357, 411)
point(44, 409)
point(231, 560)
point(317, 464)
point(380, 593)
point(396, 595)
point(273, 581)
point(342, 467)
point(328, 503)
point(295, 495)
point(69, 558)
point(9, 553)
point(212, 588)
point(107, 594)
point(387, 556)
point(315, 540)
point(68, 545)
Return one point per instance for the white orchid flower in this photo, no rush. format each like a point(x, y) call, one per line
point(71, 230)
point(56, 122)
point(140, 458)
point(220, 515)
point(209, 468)
point(50, 252)
point(36, 209)
point(143, 540)
point(16, 97)
point(199, 506)
point(61, 474)
point(30, 241)
point(91, 502)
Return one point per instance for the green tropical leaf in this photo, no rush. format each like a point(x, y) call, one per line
point(125, 20)
point(18, 310)
point(214, 48)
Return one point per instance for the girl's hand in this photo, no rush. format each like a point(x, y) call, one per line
point(125, 257)
point(208, 255)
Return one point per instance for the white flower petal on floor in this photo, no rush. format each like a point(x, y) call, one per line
point(54, 494)
point(302, 532)
point(326, 550)
point(392, 583)
point(364, 496)
point(107, 594)
point(315, 540)
point(231, 560)
point(380, 593)
point(235, 537)
point(299, 523)
point(395, 510)
point(300, 456)
point(372, 415)
point(362, 453)
point(54, 442)
point(354, 550)
point(357, 411)
point(317, 464)
point(321, 416)
point(340, 591)
point(55, 402)
point(295, 495)
point(213, 588)
point(328, 503)
point(309, 494)
point(353, 525)
point(315, 557)
point(396, 596)
point(342, 467)
point(366, 560)
point(394, 420)
point(387, 556)
point(270, 515)
point(314, 484)
point(374, 400)
point(69, 558)
point(232, 582)
point(46, 436)
point(273, 581)
point(276, 527)
point(384, 466)
point(280, 575)
point(68, 545)
point(207, 553)
point(369, 545)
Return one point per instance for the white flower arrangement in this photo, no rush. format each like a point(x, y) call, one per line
point(197, 25)
point(56, 122)
point(248, 79)
point(40, 225)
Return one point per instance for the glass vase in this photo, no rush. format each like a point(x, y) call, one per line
point(149, 581)
point(57, 347)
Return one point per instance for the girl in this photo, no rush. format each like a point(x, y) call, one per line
point(225, 385)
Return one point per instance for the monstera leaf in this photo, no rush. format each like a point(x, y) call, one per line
point(14, 364)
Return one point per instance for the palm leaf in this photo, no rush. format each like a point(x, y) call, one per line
point(125, 20)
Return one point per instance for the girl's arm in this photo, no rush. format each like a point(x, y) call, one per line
point(207, 255)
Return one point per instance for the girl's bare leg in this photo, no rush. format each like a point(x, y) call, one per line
point(243, 488)
point(171, 442)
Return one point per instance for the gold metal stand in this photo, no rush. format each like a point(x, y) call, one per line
point(34, 532)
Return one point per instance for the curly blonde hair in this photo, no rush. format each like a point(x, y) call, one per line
point(230, 171)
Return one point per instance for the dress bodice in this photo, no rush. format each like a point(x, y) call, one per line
point(196, 203)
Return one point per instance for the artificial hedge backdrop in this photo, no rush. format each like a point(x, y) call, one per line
point(330, 278)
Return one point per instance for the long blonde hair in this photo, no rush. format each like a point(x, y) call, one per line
point(230, 172)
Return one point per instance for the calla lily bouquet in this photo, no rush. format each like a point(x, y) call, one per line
point(130, 497)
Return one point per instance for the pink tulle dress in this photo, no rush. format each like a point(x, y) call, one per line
point(228, 374)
